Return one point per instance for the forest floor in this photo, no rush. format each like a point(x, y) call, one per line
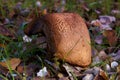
point(23, 58)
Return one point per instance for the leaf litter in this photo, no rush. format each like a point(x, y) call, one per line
point(105, 58)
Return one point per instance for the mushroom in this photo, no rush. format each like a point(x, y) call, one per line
point(67, 36)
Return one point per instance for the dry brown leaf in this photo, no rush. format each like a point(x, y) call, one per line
point(111, 37)
point(5, 32)
point(118, 73)
point(96, 23)
point(44, 11)
point(20, 68)
point(60, 75)
point(30, 68)
point(13, 63)
point(2, 45)
point(103, 55)
point(117, 56)
point(101, 76)
point(99, 39)
point(3, 70)
point(104, 75)
point(98, 77)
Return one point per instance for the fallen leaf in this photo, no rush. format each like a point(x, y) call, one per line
point(117, 56)
point(60, 75)
point(98, 77)
point(88, 77)
point(69, 70)
point(101, 76)
point(3, 70)
point(115, 11)
point(96, 23)
point(104, 22)
point(31, 68)
point(118, 73)
point(99, 39)
point(101, 25)
point(118, 77)
point(96, 60)
point(28, 69)
point(111, 37)
point(102, 55)
point(105, 27)
point(20, 69)
point(2, 45)
point(13, 63)
point(94, 71)
point(44, 11)
point(5, 32)
point(73, 71)
point(107, 19)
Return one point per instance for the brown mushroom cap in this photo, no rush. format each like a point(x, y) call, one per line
point(67, 37)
